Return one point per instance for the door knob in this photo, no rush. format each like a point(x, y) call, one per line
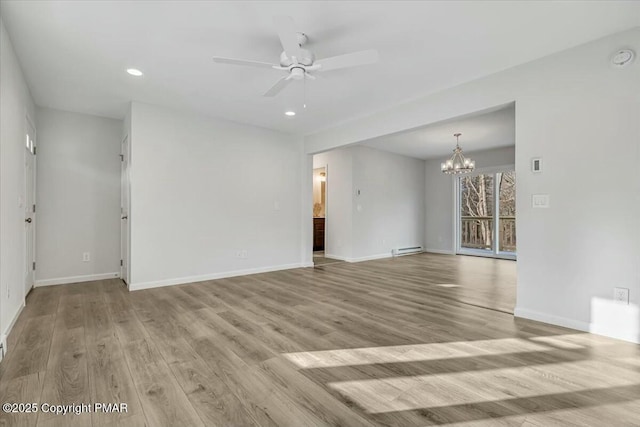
point(125, 217)
point(28, 220)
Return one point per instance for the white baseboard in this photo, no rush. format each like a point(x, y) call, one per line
point(551, 319)
point(76, 279)
point(370, 257)
point(593, 328)
point(307, 264)
point(440, 251)
point(338, 257)
point(7, 331)
point(213, 276)
point(360, 259)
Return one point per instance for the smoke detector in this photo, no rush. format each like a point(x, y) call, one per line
point(622, 58)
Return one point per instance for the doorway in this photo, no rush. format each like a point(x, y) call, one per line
point(319, 211)
point(486, 214)
point(29, 206)
point(124, 211)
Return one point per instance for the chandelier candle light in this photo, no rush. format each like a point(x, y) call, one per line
point(458, 164)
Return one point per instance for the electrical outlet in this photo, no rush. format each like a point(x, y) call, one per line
point(86, 256)
point(242, 254)
point(621, 295)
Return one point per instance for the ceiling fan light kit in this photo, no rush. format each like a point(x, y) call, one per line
point(298, 62)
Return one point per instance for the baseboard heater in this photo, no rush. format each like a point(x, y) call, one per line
point(406, 251)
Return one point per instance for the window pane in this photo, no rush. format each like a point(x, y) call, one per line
point(507, 211)
point(476, 211)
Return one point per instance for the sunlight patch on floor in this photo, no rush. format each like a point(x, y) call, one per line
point(411, 353)
point(462, 388)
point(569, 341)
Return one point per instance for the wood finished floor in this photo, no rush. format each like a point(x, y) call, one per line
point(377, 343)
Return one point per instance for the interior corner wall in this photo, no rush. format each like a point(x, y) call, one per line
point(575, 111)
point(439, 197)
point(306, 206)
point(210, 198)
point(78, 197)
point(126, 181)
point(15, 104)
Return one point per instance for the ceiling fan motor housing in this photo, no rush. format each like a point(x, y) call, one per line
point(306, 58)
point(297, 73)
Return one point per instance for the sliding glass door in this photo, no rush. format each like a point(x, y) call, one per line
point(486, 214)
point(506, 237)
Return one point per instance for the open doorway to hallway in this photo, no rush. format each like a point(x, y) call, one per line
point(319, 208)
point(320, 216)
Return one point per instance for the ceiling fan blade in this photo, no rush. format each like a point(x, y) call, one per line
point(347, 60)
point(288, 37)
point(277, 88)
point(245, 62)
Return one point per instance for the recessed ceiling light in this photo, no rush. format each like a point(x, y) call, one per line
point(134, 72)
point(290, 113)
point(622, 58)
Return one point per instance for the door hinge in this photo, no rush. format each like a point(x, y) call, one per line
point(121, 263)
point(34, 150)
point(34, 265)
point(34, 208)
point(122, 157)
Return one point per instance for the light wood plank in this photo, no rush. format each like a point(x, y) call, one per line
point(164, 402)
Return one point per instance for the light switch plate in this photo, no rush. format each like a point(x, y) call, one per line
point(540, 200)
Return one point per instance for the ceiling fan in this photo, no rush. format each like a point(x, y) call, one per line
point(299, 62)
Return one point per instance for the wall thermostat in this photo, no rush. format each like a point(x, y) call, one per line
point(536, 165)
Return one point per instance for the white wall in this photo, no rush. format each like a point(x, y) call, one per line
point(387, 214)
point(572, 255)
point(15, 104)
point(439, 196)
point(203, 189)
point(78, 197)
point(577, 112)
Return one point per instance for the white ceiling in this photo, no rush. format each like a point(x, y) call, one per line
point(74, 53)
point(480, 131)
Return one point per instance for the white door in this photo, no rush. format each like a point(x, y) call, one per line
point(124, 211)
point(29, 207)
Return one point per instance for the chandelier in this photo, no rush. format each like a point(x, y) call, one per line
point(458, 164)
